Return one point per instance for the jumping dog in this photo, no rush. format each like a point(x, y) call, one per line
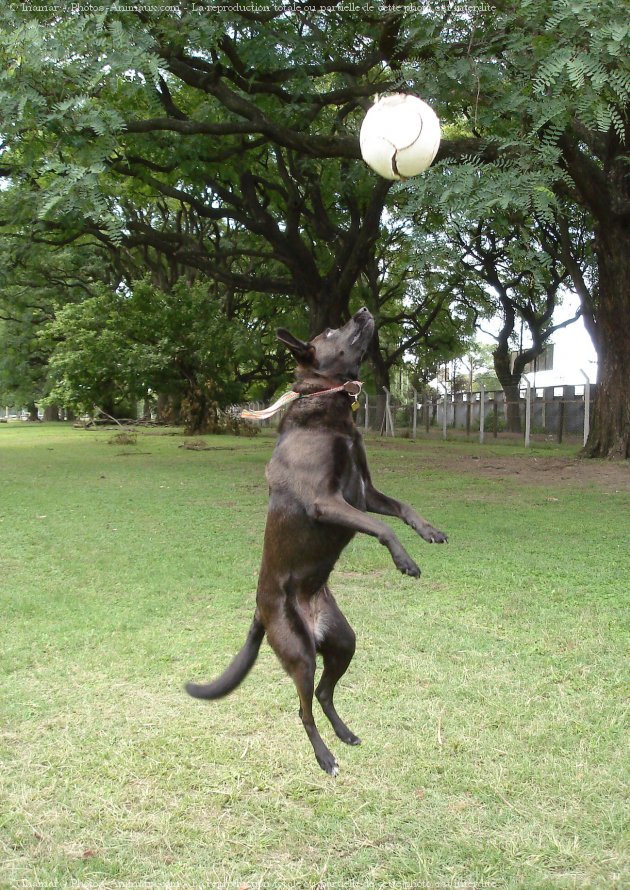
point(320, 494)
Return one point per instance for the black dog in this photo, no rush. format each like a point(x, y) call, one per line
point(319, 491)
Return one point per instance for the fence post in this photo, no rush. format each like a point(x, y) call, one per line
point(415, 412)
point(427, 416)
point(389, 422)
point(587, 405)
point(443, 409)
point(561, 419)
point(482, 412)
point(528, 411)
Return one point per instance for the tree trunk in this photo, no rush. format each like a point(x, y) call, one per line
point(108, 405)
point(610, 422)
point(605, 193)
point(51, 413)
point(510, 383)
point(513, 407)
point(33, 414)
point(169, 409)
point(200, 411)
point(327, 310)
point(380, 371)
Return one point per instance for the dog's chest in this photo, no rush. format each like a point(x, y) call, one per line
point(351, 481)
point(307, 464)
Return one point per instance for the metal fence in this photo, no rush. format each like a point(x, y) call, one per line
point(549, 411)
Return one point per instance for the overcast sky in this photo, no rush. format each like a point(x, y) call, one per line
point(573, 346)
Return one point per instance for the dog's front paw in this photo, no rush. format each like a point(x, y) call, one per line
point(406, 565)
point(432, 535)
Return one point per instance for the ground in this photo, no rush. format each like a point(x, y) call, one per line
point(529, 470)
point(490, 694)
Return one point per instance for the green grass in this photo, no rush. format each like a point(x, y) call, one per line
point(489, 694)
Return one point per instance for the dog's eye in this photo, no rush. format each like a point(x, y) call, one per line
point(329, 332)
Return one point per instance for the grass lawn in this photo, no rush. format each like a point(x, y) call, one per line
point(489, 694)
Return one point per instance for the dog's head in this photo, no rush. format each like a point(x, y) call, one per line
point(335, 354)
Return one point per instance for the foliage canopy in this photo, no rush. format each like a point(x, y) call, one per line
point(227, 143)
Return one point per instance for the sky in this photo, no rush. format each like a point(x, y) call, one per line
point(574, 348)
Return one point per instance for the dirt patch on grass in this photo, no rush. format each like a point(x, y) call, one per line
point(486, 461)
point(536, 470)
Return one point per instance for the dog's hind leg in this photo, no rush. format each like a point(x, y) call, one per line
point(294, 646)
point(336, 641)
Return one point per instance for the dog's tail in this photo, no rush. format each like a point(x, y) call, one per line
point(237, 670)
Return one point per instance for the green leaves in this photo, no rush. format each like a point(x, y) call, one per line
point(225, 146)
point(588, 65)
point(118, 345)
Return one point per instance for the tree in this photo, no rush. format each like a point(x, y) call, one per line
point(251, 119)
point(548, 84)
point(84, 325)
point(417, 318)
point(35, 279)
point(519, 264)
point(511, 268)
point(113, 348)
point(248, 133)
point(478, 361)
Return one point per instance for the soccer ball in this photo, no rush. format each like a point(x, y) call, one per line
point(400, 136)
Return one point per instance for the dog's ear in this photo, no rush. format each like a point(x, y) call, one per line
point(303, 352)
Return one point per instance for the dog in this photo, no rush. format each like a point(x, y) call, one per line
point(320, 493)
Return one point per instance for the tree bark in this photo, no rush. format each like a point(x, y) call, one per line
point(51, 413)
point(169, 409)
point(610, 423)
point(510, 383)
point(605, 191)
point(199, 411)
point(327, 309)
point(380, 370)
